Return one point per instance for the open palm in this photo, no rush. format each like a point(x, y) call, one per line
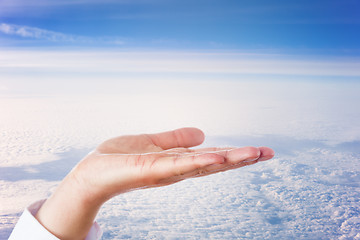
point(140, 161)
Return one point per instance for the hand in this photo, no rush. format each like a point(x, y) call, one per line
point(131, 162)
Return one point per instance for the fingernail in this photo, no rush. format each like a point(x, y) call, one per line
point(264, 158)
point(250, 160)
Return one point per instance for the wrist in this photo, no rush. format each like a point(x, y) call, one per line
point(69, 213)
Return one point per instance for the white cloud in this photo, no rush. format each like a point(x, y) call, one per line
point(52, 36)
point(38, 33)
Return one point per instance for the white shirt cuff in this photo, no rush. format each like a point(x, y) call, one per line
point(30, 229)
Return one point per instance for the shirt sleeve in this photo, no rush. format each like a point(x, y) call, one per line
point(30, 229)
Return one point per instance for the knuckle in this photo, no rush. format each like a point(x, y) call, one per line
point(253, 153)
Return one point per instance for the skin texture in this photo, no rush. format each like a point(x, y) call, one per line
point(128, 163)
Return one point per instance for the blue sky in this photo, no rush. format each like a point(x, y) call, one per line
point(320, 27)
point(45, 45)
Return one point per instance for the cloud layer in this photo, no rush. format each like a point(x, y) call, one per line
point(310, 190)
point(168, 62)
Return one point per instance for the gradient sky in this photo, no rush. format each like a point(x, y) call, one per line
point(46, 44)
point(320, 27)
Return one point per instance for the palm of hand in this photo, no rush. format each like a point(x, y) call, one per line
point(130, 162)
